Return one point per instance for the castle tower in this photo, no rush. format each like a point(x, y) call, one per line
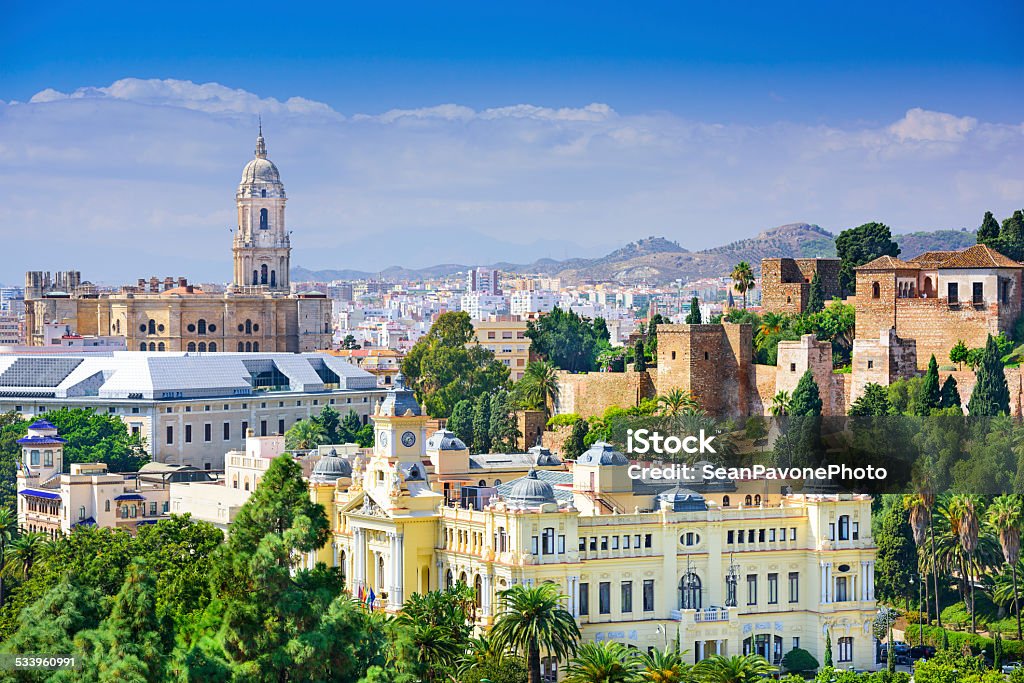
point(42, 454)
point(261, 247)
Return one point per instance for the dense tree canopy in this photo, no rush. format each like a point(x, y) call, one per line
point(857, 246)
point(568, 340)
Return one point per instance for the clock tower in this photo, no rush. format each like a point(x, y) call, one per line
point(400, 426)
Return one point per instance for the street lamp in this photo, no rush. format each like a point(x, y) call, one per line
point(920, 606)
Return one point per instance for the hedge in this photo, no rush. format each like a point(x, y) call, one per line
point(1013, 650)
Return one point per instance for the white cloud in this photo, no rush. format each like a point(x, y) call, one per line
point(138, 178)
point(932, 126)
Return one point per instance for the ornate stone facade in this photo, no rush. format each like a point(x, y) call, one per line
point(257, 313)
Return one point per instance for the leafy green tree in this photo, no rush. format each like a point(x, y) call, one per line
point(736, 669)
point(482, 425)
point(693, 317)
point(134, 643)
point(639, 357)
point(991, 396)
point(330, 420)
point(461, 422)
point(931, 397)
point(835, 324)
point(538, 387)
point(349, 343)
point(1012, 232)
point(989, 229)
point(496, 669)
point(857, 246)
point(305, 435)
point(349, 427)
point(533, 620)
point(8, 532)
point(567, 340)
point(799, 660)
point(438, 627)
point(828, 648)
point(806, 398)
point(447, 365)
point(958, 354)
point(608, 661)
point(503, 428)
point(874, 402)
point(601, 333)
point(576, 444)
point(651, 344)
point(896, 562)
point(1005, 516)
point(677, 402)
point(364, 437)
point(949, 395)
point(780, 403)
point(816, 295)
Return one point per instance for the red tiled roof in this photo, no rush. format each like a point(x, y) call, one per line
point(979, 256)
point(888, 263)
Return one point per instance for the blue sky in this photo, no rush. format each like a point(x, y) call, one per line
point(742, 114)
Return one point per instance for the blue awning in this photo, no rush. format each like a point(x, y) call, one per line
point(88, 521)
point(147, 521)
point(39, 494)
point(129, 496)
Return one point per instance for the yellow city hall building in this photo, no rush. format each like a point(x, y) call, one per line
point(726, 567)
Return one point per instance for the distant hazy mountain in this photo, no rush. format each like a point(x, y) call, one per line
point(657, 260)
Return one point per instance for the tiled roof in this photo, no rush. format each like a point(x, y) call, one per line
point(888, 263)
point(931, 259)
point(979, 256)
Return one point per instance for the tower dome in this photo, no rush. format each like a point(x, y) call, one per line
point(260, 172)
point(330, 468)
point(530, 492)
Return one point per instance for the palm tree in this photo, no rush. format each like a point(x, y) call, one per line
point(919, 515)
point(1005, 516)
point(964, 508)
point(539, 386)
point(305, 435)
point(8, 532)
point(771, 323)
point(604, 662)
point(664, 666)
point(23, 552)
point(743, 279)
point(737, 669)
point(533, 619)
point(677, 402)
point(780, 403)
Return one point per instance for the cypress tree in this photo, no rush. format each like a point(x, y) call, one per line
point(991, 396)
point(482, 424)
point(639, 359)
point(816, 297)
point(930, 393)
point(693, 317)
point(949, 395)
point(504, 430)
point(574, 446)
point(896, 562)
point(989, 229)
point(806, 397)
point(828, 648)
point(997, 651)
point(461, 421)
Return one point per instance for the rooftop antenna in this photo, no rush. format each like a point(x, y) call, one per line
point(259, 117)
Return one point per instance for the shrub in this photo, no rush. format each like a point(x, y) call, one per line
point(798, 660)
point(563, 420)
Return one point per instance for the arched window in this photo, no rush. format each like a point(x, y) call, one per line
point(747, 500)
point(273, 278)
point(725, 501)
point(106, 506)
point(875, 291)
point(263, 274)
point(135, 511)
point(142, 346)
point(152, 346)
point(34, 458)
point(757, 499)
point(478, 588)
point(201, 325)
point(191, 346)
point(213, 346)
point(264, 219)
point(482, 483)
point(246, 483)
point(202, 346)
point(689, 591)
point(241, 346)
point(255, 277)
point(463, 579)
point(844, 527)
point(248, 327)
point(161, 347)
point(248, 346)
point(255, 346)
point(152, 327)
point(448, 581)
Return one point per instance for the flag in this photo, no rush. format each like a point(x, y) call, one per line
point(371, 598)
point(361, 598)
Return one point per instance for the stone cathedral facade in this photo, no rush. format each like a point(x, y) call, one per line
point(258, 312)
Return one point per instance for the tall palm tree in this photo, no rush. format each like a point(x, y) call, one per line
point(919, 515)
point(8, 532)
point(23, 552)
point(743, 279)
point(962, 512)
point(605, 662)
point(780, 403)
point(676, 402)
point(1005, 516)
point(664, 666)
point(737, 669)
point(533, 619)
point(539, 386)
point(305, 435)
point(771, 323)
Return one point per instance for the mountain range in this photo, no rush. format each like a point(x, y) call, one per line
point(658, 260)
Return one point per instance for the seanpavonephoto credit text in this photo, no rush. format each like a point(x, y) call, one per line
point(708, 471)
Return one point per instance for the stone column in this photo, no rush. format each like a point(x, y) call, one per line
point(485, 599)
point(821, 578)
point(391, 566)
point(700, 650)
point(574, 595)
point(399, 569)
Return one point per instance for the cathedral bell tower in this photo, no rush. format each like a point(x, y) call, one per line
point(261, 247)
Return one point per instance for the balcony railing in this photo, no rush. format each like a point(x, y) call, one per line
point(702, 616)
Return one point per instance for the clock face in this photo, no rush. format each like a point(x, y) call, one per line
point(383, 438)
point(408, 439)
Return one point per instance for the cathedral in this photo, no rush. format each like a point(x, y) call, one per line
point(258, 312)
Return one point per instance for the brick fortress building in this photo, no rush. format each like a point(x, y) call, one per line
point(258, 312)
point(786, 282)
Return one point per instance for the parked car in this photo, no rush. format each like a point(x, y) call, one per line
point(904, 660)
point(922, 652)
point(1010, 667)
